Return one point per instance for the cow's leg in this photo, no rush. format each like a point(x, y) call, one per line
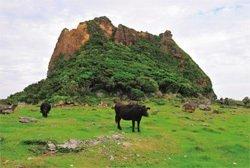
point(117, 120)
point(138, 125)
point(118, 124)
point(45, 114)
point(133, 125)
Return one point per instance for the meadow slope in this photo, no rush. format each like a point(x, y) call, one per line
point(169, 137)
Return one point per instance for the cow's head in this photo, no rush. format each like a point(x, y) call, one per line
point(144, 111)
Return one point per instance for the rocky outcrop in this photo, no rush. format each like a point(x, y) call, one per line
point(7, 109)
point(168, 45)
point(189, 107)
point(106, 25)
point(69, 41)
point(129, 36)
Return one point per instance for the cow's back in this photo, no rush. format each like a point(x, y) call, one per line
point(127, 112)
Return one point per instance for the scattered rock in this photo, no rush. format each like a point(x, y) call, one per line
point(71, 144)
point(6, 161)
point(51, 146)
point(189, 107)
point(111, 157)
point(99, 94)
point(29, 158)
point(126, 144)
point(27, 120)
point(103, 104)
point(204, 107)
point(7, 109)
point(117, 137)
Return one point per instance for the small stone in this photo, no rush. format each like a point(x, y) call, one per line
point(169, 158)
point(51, 146)
point(27, 119)
point(29, 158)
point(234, 163)
point(71, 165)
point(126, 144)
point(71, 144)
point(6, 161)
point(205, 124)
point(111, 157)
point(116, 137)
point(137, 155)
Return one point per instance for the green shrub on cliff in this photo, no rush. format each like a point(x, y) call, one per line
point(133, 70)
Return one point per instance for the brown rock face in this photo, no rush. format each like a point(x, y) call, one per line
point(168, 45)
point(69, 41)
point(129, 36)
point(106, 25)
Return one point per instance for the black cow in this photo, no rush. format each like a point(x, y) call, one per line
point(45, 108)
point(132, 112)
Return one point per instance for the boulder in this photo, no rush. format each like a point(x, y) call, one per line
point(7, 109)
point(27, 120)
point(189, 107)
point(71, 144)
point(204, 107)
point(103, 104)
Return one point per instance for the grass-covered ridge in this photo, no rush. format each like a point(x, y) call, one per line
point(136, 71)
point(169, 137)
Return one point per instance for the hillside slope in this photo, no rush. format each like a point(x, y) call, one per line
point(118, 61)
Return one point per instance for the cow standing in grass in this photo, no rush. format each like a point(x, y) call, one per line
point(45, 108)
point(132, 112)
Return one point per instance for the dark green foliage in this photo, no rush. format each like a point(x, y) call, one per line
point(136, 94)
point(135, 71)
point(246, 101)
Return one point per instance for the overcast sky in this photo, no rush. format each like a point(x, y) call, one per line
point(216, 34)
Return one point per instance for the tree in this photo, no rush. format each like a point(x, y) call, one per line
point(246, 100)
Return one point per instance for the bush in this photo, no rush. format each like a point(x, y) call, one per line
point(136, 94)
point(246, 101)
point(148, 85)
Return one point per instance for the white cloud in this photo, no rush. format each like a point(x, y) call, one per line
point(215, 33)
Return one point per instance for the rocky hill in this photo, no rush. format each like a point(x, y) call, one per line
point(119, 61)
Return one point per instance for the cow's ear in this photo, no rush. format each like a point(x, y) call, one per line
point(148, 108)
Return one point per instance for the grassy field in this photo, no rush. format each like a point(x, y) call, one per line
point(168, 138)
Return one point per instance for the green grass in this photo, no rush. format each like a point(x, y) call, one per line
point(168, 138)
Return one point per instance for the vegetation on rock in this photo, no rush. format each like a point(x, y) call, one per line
point(135, 70)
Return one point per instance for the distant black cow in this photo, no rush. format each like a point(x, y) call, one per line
point(132, 112)
point(45, 108)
